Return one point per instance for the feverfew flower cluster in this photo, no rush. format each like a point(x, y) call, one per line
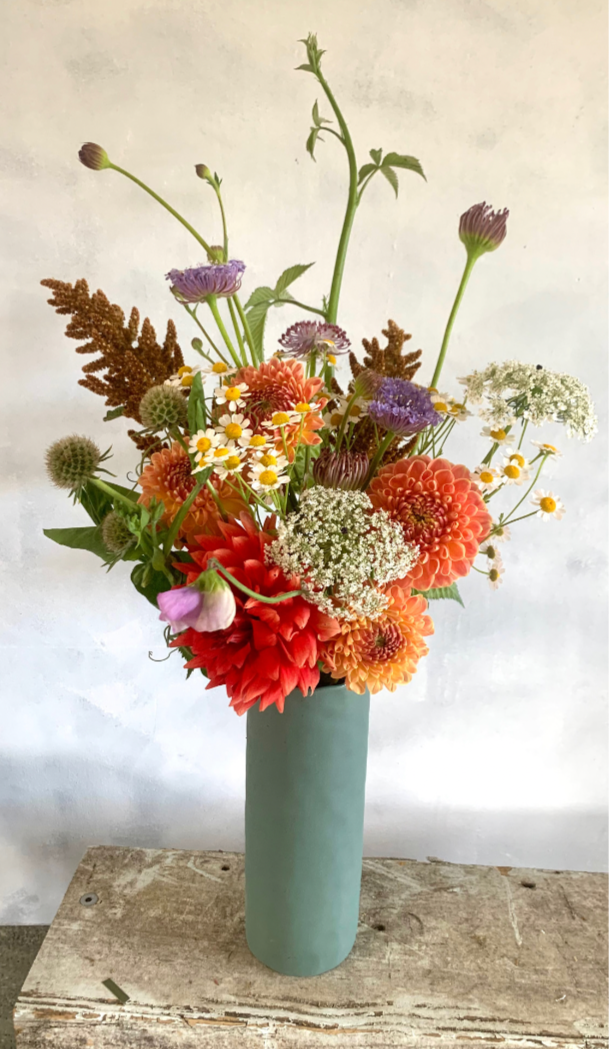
point(342, 551)
point(537, 394)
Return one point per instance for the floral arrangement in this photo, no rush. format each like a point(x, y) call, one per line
point(292, 528)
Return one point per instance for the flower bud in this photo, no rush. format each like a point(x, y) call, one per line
point(367, 383)
point(72, 461)
point(215, 253)
point(203, 171)
point(208, 605)
point(344, 470)
point(163, 408)
point(94, 156)
point(481, 229)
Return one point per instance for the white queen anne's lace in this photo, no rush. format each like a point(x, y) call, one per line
point(343, 551)
point(539, 395)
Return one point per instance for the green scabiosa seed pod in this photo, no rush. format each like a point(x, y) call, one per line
point(72, 461)
point(115, 533)
point(163, 408)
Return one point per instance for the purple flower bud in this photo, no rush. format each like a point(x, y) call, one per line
point(345, 470)
point(402, 407)
point(481, 229)
point(202, 610)
point(199, 282)
point(305, 336)
point(367, 383)
point(93, 156)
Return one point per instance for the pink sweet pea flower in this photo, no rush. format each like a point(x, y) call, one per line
point(206, 606)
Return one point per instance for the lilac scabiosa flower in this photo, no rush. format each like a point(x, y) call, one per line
point(402, 408)
point(481, 229)
point(207, 605)
point(306, 336)
point(199, 282)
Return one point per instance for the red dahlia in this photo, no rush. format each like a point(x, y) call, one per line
point(268, 650)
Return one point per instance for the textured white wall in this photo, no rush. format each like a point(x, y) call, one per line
point(495, 754)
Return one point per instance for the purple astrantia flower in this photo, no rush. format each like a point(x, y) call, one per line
point(196, 284)
point(481, 229)
point(402, 407)
point(201, 609)
point(305, 336)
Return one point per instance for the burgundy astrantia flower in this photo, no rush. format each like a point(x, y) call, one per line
point(199, 282)
point(305, 336)
point(402, 407)
point(481, 229)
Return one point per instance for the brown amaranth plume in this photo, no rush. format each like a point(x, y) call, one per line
point(132, 362)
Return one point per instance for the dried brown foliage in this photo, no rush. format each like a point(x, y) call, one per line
point(130, 358)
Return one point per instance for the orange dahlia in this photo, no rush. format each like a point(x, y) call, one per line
point(279, 386)
point(168, 477)
point(269, 649)
point(381, 652)
point(440, 508)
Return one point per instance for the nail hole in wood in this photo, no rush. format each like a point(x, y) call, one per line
point(225, 867)
point(528, 884)
point(379, 927)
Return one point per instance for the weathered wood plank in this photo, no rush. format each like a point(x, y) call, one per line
point(445, 955)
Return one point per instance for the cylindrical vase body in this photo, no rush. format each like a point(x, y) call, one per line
point(304, 820)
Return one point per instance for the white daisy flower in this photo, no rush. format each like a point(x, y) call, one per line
point(267, 478)
point(231, 395)
point(495, 576)
point(185, 376)
point(234, 427)
point(498, 436)
point(256, 442)
point(489, 549)
point(219, 368)
point(272, 459)
point(332, 418)
point(202, 442)
point(218, 454)
point(440, 401)
point(548, 505)
point(500, 533)
point(280, 419)
point(488, 477)
point(513, 473)
point(517, 459)
point(231, 464)
point(458, 411)
point(547, 449)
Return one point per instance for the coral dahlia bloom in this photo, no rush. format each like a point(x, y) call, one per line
point(268, 650)
point(440, 509)
point(278, 386)
point(168, 477)
point(381, 652)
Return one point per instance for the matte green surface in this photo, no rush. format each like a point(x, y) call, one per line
point(304, 819)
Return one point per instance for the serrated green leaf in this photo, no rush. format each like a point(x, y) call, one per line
point(366, 170)
point(443, 593)
point(257, 320)
point(307, 68)
point(88, 538)
point(312, 140)
point(114, 413)
point(317, 120)
point(376, 155)
point(391, 177)
point(258, 296)
point(290, 275)
point(400, 160)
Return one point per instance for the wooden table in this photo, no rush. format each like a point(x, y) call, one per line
point(446, 955)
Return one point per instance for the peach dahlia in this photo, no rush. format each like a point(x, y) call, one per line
point(440, 508)
point(279, 386)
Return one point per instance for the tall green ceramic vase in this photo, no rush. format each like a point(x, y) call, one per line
point(304, 818)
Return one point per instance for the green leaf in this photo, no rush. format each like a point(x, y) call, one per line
point(317, 120)
point(128, 493)
point(391, 177)
point(312, 140)
point(196, 405)
point(376, 155)
point(95, 502)
point(149, 583)
point(80, 539)
point(400, 160)
point(258, 296)
point(444, 593)
point(366, 170)
point(114, 413)
point(307, 68)
point(257, 320)
point(290, 275)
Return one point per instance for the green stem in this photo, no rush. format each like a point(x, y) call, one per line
point(167, 206)
point(469, 265)
point(352, 202)
point(522, 518)
point(216, 499)
point(302, 306)
point(209, 339)
point(214, 563)
point(524, 430)
point(112, 493)
point(233, 316)
point(176, 524)
point(248, 332)
point(507, 520)
point(213, 305)
point(344, 421)
point(378, 455)
point(224, 227)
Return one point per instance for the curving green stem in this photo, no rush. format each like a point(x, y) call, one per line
point(179, 517)
point(206, 334)
point(213, 305)
point(233, 317)
point(160, 200)
point(378, 455)
point(214, 563)
point(247, 330)
point(352, 202)
point(469, 265)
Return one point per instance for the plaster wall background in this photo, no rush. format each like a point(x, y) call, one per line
point(495, 754)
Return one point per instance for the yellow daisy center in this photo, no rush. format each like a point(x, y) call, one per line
point(219, 368)
point(203, 444)
point(440, 406)
point(184, 370)
point(336, 419)
point(258, 441)
point(493, 575)
point(268, 477)
point(280, 418)
point(268, 460)
point(232, 431)
point(187, 380)
point(458, 408)
point(355, 410)
point(232, 393)
point(220, 453)
point(232, 462)
point(515, 457)
point(302, 407)
point(486, 477)
point(547, 504)
point(548, 448)
point(491, 552)
point(511, 471)
point(331, 358)
point(498, 435)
